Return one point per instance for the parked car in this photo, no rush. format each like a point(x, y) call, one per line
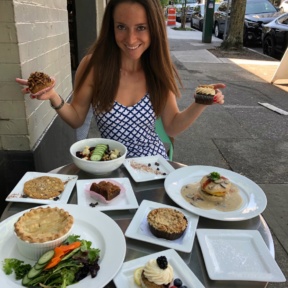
point(284, 6)
point(275, 36)
point(190, 4)
point(197, 17)
point(257, 12)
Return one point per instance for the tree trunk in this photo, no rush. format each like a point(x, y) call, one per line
point(183, 19)
point(234, 41)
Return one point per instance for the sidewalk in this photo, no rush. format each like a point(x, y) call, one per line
point(240, 135)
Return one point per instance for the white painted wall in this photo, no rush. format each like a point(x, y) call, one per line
point(34, 36)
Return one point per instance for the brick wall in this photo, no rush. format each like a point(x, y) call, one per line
point(34, 36)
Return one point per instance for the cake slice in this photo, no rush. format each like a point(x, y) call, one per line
point(106, 189)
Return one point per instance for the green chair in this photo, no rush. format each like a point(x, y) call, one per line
point(164, 137)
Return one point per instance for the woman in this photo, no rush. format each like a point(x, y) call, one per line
point(129, 78)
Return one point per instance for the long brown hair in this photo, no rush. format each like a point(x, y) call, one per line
point(160, 72)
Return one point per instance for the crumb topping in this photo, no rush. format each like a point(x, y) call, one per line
point(168, 220)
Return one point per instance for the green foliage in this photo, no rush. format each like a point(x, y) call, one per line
point(164, 3)
point(20, 269)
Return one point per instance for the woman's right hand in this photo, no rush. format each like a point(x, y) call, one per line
point(40, 95)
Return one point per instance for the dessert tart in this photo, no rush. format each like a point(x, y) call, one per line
point(167, 223)
point(43, 224)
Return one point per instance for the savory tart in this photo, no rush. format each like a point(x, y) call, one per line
point(167, 223)
point(40, 225)
point(44, 187)
point(215, 184)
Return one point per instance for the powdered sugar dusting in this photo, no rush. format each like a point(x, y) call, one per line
point(146, 168)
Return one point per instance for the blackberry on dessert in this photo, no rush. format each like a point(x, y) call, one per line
point(157, 273)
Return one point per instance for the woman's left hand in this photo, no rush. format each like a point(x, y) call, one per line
point(219, 97)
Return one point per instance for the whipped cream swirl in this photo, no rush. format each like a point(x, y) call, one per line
point(206, 90)
point(157, 275)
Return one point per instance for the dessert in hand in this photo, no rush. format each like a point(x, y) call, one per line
point(204, 94)
point(167, 223)
point(215, 185)
point(106, 189)
point(38, 81)
point(157, 273)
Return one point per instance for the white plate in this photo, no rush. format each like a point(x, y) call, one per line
point(138, 228)
point(17, 193)
point(91, 225)
point(124, 278)
point(141, 176)
point(125, 200)
point(238, 255)
point(254, 199)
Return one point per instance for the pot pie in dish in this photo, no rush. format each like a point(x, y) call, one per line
point(43, 224)
point(42, 229)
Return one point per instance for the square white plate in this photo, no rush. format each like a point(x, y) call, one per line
point(156, 164)
point(238, 255)
point(138, 228)
point(125, 200)
point(17, 193)
point(125, 277)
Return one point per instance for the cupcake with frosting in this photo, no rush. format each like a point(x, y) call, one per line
point(157, 273)
point(204, 94)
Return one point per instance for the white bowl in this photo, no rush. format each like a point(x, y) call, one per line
point(34, 251)
point(98, 167)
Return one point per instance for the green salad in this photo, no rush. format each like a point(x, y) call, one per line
point(64, 265)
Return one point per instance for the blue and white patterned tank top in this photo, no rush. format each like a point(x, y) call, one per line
point(134, 127)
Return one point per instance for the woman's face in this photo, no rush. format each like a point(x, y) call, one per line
point(131, 29)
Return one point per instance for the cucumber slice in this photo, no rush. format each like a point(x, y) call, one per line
point(34, 273)
point(69, 255)
point(98, 152)
point(38, 266)
point(46, 257)
point(25, 280)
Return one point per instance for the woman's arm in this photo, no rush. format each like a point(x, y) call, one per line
point(74, 113)
point(176, 121)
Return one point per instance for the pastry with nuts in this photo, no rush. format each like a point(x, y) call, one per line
point(38, 81)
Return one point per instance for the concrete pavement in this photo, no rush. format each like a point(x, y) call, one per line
point(240, 135)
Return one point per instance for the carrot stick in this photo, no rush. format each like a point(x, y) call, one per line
point(61, 251)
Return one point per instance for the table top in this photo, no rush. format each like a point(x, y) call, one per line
point(154, 191)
